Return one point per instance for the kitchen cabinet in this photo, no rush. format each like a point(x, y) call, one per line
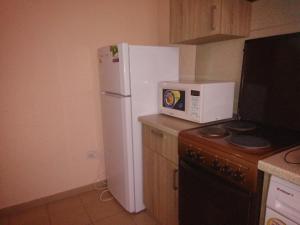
point(201, 21)
point(160, 172)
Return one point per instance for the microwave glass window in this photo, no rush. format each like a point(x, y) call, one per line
point(174, 99)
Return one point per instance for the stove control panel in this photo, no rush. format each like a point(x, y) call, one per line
point(225, 167)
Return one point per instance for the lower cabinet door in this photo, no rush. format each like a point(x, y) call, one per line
point(165, 196)
point(148, 179)
point(160, 176)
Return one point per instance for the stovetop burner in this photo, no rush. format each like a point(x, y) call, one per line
point(213, 132)
point(249, 142)
point(240, 126)
point(249, 138)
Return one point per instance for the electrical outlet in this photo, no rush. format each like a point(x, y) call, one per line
point(91, 155)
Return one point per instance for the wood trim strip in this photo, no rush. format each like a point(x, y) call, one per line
point(264, 198)
point(51, 198)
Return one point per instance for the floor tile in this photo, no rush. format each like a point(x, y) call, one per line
point(69, 211)
point(122, 218)
point(34, 216)
point(65, 204)
point(90, 197)
point(99, 210)
point(143, 218)
point(93, 197)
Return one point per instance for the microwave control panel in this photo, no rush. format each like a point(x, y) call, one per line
point(195, 104)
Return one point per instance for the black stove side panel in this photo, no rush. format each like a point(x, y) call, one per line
point(270, 84)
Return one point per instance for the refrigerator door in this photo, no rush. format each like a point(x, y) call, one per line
point(127, 95)
point(114, 69)
point(117, 138)
point(148, 66)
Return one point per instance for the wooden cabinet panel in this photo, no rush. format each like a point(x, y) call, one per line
point(165, 191)
point(201, 18)
point(148, 178)
point(199, 21)
point(236, 15)
point(176, 21)
point(160, 175)
point(161, 142)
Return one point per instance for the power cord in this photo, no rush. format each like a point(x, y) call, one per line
point(102, 199)
point(101, 186)
point(103, 189)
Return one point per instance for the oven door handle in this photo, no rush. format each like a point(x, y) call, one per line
point(175, 179)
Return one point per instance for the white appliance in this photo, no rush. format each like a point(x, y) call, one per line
point(129, 77)
point(201, 102)
point(283, 203)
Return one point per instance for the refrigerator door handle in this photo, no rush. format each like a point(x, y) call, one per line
point(116, 95)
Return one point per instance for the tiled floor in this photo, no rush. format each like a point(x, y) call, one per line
point(84, 209)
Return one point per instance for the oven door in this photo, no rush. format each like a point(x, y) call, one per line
point(206, 199)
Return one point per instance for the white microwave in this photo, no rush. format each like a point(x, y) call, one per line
point(201, 102)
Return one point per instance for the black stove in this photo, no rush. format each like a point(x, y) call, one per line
point(219, 182)
point(218, 167)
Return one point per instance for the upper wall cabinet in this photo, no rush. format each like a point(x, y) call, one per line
point(202, 21)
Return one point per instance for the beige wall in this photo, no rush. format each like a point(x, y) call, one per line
point(49, 94)
point(223, 60)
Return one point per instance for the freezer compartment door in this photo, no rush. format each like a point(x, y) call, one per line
point(116, 119)
point(114, 69)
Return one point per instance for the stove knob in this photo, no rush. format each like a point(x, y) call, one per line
point(238, 176)
point(199, 157)
point(192, 154)
point(226, 170)
point(189, 152)
point(216, 164)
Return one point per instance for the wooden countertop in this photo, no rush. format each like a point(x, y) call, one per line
point(276, 165)
point(168, 124)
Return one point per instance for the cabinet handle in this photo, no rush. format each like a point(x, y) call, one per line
point(157, 133)
point(175, 186)
point(213, 16)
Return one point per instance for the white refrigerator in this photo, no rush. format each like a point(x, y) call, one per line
point(129, 76)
